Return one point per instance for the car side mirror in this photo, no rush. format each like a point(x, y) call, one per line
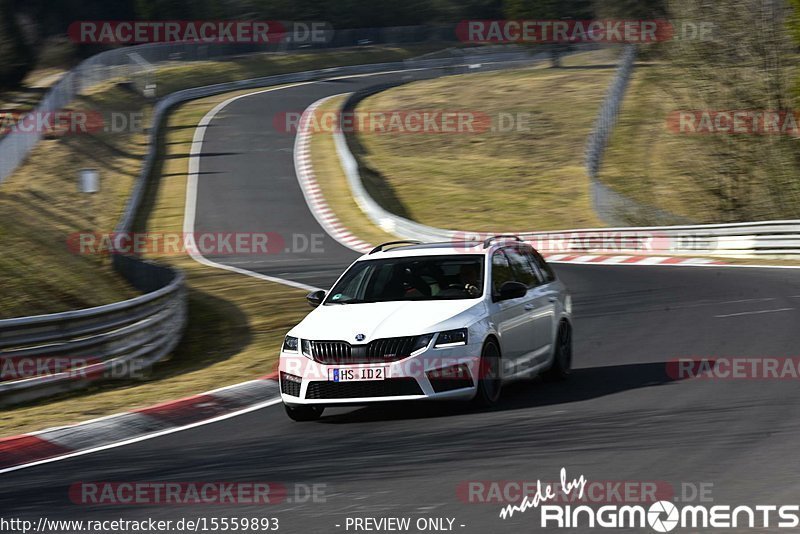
point(512, 290)
point(315, 298)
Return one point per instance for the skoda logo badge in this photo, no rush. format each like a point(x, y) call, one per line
point(360, 337)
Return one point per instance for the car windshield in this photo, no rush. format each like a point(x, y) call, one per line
point(418, 278)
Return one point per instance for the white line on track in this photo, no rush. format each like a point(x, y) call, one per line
point(190, 209)
point(194, 168)
point(191, 197)
point(253, 408)
point(755, 312)
point(763, 299)
point(188, 228)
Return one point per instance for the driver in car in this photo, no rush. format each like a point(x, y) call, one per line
point(468, 274)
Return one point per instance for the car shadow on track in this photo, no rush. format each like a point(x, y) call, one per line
point(583, 384)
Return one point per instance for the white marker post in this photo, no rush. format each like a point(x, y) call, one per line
point(88, 181)
point(89, 184)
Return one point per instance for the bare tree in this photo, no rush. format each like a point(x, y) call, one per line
point(746, 62)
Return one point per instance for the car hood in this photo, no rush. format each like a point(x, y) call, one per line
point(386, 319)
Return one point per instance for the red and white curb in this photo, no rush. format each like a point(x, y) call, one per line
point(594, 259)
point(57, 443)
point(26, 450)
point(311, 190)
point(325, 216)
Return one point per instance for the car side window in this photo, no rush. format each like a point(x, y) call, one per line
point(524, 271)
point(540, 274)
point(354, 288)
point(543, 266)
point(501, 271)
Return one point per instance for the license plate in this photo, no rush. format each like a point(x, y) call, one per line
point(357, 374)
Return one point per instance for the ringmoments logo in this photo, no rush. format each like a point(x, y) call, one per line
point(660, 516)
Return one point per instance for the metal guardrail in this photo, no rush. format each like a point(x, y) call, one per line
point(117, 340)
point(136, 63)
point(347, 145)
point(737, 240)
point(612, 207)
point(455, 65)
point(45, 355)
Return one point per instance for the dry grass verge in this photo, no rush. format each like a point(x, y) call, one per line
point(236, 322)
point(530, 177)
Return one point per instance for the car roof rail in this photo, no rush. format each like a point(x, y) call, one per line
point(488, 241)
point(402, 242)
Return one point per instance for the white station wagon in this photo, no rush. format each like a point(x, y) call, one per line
point(443, 321)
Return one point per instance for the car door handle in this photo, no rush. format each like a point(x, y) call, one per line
point(529, 307)
point(552, 299)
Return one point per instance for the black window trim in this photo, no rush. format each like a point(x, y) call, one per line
point(523, 251)
point(502, 251)
point(529, 253)
point(543, 266)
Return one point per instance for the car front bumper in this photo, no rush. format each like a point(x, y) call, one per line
point(307, 382)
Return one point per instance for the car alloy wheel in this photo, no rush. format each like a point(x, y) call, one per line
point(489, 381)
point(562, 361)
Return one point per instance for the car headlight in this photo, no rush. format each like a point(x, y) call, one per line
point(306, 346)
point(451, 338)
point(420, 343)
point(290, 344)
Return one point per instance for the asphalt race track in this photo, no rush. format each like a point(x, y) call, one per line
point(619, 418)
point(247, 181)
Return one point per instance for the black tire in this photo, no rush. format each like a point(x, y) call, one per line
point(562, 361)
point(304, 413)
point(489, 383)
